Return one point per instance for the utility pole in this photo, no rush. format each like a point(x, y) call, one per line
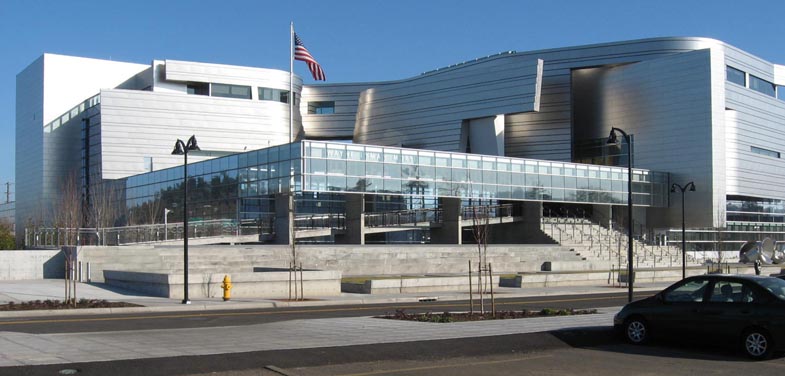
point(7, 192)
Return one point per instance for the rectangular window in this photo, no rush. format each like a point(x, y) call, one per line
point(321, 108)
point(736, 76)
point(781, 92)
point(148, 164)
point(762, 86)
point(230, 91)
point(268, 94)
point(198, 88)
point(766, 152)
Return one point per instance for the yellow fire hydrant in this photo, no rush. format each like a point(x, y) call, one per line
point(226, 286)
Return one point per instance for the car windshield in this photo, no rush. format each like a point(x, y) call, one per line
point(775, 285)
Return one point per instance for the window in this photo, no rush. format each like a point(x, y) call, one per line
point(775, 285)
point(781, 92)
point(148, 164)
point(198, 88)
point(267, 94)
point(736, 76)
point(690, 291)
point(230, 91)
point(766, 152)
point(732, 292)
point(762, 86)
point(321, 108)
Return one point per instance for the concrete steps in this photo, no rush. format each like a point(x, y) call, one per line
point(608, 247)
point(350, 260)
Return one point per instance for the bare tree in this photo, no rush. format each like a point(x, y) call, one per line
point(103, 206)
point(67, 213)
point(153, 209)
point(720, 227)
point(480, 227)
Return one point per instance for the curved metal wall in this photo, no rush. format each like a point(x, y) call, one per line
point(427, 111)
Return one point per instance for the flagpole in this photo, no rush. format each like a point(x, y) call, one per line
point(291, 85)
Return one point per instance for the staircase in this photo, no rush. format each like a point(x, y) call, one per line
point(606, 248)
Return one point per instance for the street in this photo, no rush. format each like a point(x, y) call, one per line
point(158, 320)
point(342, 340)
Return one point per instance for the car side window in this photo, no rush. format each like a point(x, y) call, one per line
point(732, 292)
point(690, 291)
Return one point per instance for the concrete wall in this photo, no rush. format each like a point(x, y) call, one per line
point(31, 264)
point(349, 260)
point(208, 285)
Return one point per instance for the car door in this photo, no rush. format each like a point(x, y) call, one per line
point(678, 313)
point(732, 306)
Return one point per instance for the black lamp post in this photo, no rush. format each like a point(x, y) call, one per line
point(182, 148)
point(612, 140)
point(691, 187)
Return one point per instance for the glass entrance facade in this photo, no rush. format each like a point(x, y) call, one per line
point(244, 186)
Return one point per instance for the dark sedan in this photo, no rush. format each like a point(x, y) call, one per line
point(748, 310)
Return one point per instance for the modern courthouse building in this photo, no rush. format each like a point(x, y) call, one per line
point(522, 134)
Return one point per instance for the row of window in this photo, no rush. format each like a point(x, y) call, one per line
point(464, 190)
point(263, 94)
point(237, 91)
point(421, 162)
point(758, 84)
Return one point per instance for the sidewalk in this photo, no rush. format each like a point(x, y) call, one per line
point(18, 349)
point(53, 289)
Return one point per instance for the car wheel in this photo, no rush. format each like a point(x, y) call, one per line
point(636, 331)
point(757, 343)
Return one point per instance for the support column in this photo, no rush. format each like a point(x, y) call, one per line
point(527, 231)
point(283, 218)
point(450, 230)
point(355, 220)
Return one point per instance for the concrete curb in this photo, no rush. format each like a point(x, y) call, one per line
point(245, 305)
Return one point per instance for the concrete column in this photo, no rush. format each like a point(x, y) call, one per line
point(602, 214)
point(283, 218)
point(355, 220)
point(527, 231)
point(450, 230)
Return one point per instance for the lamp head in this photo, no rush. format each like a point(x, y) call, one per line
point(673, 187)
point(612, 137)
point(692, 187)
point(192, 146)
point(178, 148)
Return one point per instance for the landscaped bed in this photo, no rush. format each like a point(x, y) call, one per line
point(57, 304)
point(476, 316)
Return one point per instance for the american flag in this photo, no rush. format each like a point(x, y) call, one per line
point(301, 53)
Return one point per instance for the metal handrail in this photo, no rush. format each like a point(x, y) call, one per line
point(150, 233)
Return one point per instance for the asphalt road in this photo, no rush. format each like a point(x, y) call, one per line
point(596, 351)
point(146, 321)
point(593, 351)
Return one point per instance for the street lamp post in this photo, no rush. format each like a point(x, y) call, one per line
point(166, 223)
point(182, 148)
point(691, 187)
point(613, 140)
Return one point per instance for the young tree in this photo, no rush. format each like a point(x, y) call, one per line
point(720, 227)
point(480, 227)
point(153, 209)
point(68, 214)
point(103, 207)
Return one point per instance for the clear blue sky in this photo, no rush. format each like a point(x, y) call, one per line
point(353, 40)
